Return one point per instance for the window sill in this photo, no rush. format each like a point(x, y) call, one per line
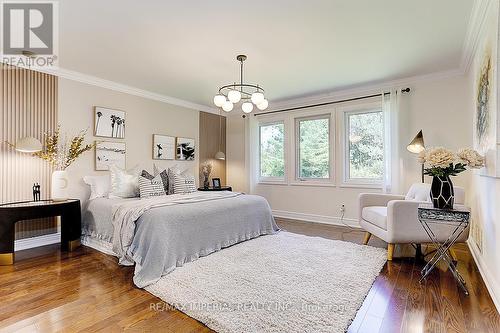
point(313, 183)
point(270, 182)
point(361, 185)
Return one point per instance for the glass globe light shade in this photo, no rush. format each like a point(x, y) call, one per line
point(227, 106)
point(247, 107)
point(257, 98)
point(219, 100)
point(234, 96)
point(263, 105)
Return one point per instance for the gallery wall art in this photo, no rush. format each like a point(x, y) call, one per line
point(163, 147)
point(109, 123)
point(487, 111)
point(185, 149)
point(109, 153)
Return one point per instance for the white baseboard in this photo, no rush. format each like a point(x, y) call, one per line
point(28, 243)
point(489, 280)
point(323, 219)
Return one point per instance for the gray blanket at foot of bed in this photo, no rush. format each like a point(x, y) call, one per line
point(168, 237)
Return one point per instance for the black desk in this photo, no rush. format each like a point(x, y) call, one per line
point(210, 188)
point(10, 213)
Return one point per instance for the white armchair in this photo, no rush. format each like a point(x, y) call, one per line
point(393, 218)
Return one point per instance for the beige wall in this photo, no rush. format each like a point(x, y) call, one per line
point(439, 108)
point(144, 118)
point(484, 193)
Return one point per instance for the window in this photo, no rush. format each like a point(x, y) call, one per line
point(364, 137)
point(313, 147)
point(326, 146)
point(272, 151)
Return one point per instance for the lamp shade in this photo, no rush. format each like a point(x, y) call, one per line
point(234, 96)
point(28, 145)
point(219, 100)
point(257, 98)
point(247, 107)
point(263, 105)
point(417, 144)
point(227, 106)
point(220, 156)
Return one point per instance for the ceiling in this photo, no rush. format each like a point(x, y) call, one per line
point(186, 49)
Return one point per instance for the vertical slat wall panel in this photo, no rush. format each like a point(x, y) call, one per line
point(208, 144)
point(29, 107)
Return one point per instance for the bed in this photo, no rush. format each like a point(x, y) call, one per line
point(159, 234)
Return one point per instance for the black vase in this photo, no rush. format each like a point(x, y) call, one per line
point(206, 183)
point(442, 193)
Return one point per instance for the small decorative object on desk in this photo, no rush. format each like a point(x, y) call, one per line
point(216, 182)
point(61, 154)
point(206, 170)
point(441, 164)
point(36, 192)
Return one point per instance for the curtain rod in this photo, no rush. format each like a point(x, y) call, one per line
point(405, 90)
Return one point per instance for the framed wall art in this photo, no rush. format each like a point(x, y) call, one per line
point(163, 147)
point(108, 153)
point(185, 149)
point(109, 123)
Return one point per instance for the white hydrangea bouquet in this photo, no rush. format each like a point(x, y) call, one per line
point(442, 162)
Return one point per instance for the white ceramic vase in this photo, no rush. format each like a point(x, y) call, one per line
point(59, 188)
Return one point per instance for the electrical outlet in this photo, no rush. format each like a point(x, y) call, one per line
point(342, 208)
point(477, 235)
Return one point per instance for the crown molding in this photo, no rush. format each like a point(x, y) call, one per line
point(473, 34)
point(364, 89)
point(116, 86)
point(112, 85)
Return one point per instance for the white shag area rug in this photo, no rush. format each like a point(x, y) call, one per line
point(277, 283)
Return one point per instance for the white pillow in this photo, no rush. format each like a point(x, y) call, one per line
point(419, 192)
point(184, 184)
point(151, 187)
point(99, 186)
point(124, 183)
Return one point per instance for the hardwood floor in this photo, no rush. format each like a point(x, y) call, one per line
point(86, 291)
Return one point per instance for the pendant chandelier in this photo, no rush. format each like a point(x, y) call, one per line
point(248, 94)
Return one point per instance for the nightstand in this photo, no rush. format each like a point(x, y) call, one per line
point(431, 218)
point(210, 188)
point(10, 213)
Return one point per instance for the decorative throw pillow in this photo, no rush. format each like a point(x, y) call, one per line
point(172, 171)
point(146, 175)
point(163, 174)
point(124, 183)
point(151, 187)
point(184, 184)
point(99, 186)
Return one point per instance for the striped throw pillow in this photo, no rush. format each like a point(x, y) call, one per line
point(172, 171)
point(184, 184)
point(163, 175)
point(151, 187)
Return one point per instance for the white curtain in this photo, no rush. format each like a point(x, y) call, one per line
point(390, 107)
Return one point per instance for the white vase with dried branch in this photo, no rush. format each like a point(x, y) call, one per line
point(61, 154)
